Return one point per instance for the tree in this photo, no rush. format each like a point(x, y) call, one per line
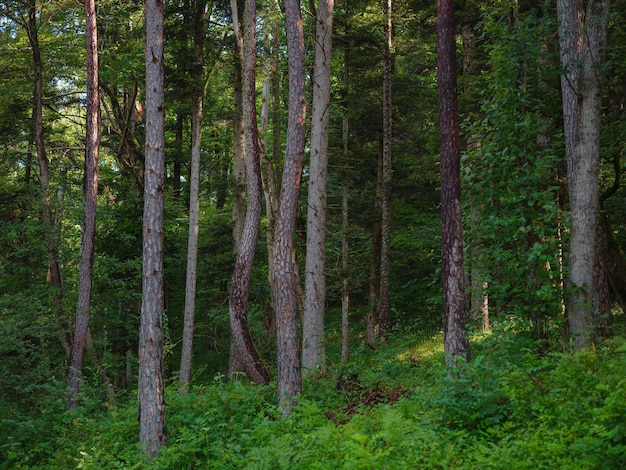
point(240, 286)
point(313, 349)
point(582, 37)
point(384, 306)
point(286, 304)
point(90, 195)
point(456, 344)
point(194, 197)
point(151, 387)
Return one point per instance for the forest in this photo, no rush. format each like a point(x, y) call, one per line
point(273, 234)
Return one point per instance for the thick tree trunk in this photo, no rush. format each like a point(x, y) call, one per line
point(456, 345)
point(85, 270)
point(583, 180)
point(240, 286)
point(313, 348)
point(194, 199)
point(285, 289)
point(235, 363)
point(384, 307)
point(151, 386)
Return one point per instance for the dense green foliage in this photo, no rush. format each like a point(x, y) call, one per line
point(520, 403)
point(393, 408)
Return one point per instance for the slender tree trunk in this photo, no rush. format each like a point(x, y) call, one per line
point(194, 199)
point(456, 345)
point(285, 293)
point(384, 307)
point(345, 193)
point(313, 348)
point(53, 277)
point(151, 386)
point(240, 286)
point(584, 171)
point(372, 324)
point(92, 144)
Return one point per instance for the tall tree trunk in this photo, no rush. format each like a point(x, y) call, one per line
point(92, 147)
point(151, 386)
point(53, 277)
point(384, 307)
point(235, 363)
point(345, 193)
point(584, 169)
point(456, 345)
point(194, 198)
point(313, 348)
point(289, 374)
point(240, 286)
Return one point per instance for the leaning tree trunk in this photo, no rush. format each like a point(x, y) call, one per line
point(85, 270)
point(194, 199)
point(456, 345)
point(345, 193)
point(313, 348)
point(285, 294)
point(151, 386)
point(240, 286)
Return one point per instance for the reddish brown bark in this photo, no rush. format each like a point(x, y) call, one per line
point(240, 287)
point(92, 143)
point(456, 344)
point(151, 385)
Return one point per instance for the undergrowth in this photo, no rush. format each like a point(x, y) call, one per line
point(394, 408)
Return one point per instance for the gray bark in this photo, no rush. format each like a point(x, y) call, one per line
point(194, 200)
point(313, 348)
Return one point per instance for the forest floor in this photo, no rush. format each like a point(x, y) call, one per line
point(515, 406)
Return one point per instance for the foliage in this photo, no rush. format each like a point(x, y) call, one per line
point(509, 408)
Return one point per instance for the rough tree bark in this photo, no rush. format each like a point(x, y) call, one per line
point(235, 363)
point(85, 270)
point(194, 198)
point(151, 386)
point(585, 40)
point(240, 286)
point(289, 374)
point(456, 345)
point(313, 348)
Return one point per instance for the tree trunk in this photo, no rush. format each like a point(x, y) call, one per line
point(313, 348)
point(583, 180)
point(92, 143)
point(194, 199)
point(151, 386)
point(384, 307)
point(240, 286)
point(372, 324)
point(456, 345)
point(53, 277)
point(345, 193)
point(289, 375)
